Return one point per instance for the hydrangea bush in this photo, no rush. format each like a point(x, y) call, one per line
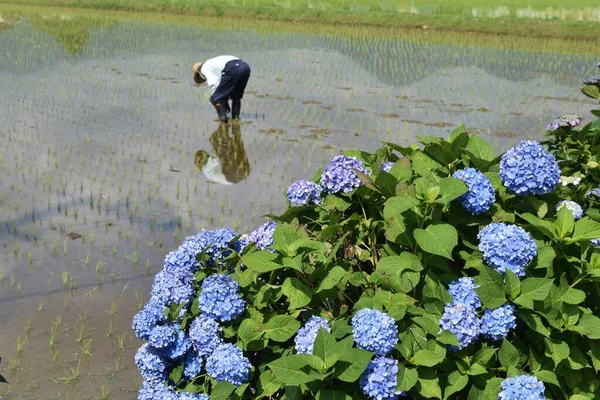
point(391, 275)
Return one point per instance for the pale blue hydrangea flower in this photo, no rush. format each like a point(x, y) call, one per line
point(215, 242)
point(463, 291)
point(192, 396)
point(155, 391)
point(182, 263)
point(594, 193)
point(339, 175)
point(162, 336)
point(380, 379)
point(151, 363)
point(507, 246)
point(387, 166)
point(227, 363)
point(480, 195)
point(529, 169)
point(566, 122)
point(595, 242)
point(497, 323)
point(180, 345)
point(462, 320)
point(305, 338)
point(192, 365)
point(205, 334)
point(304, 193)
point(148, 318)
point(220, 298)
point(263, 235)
point(593, 80)
point(374, 331)
point(169, 288)
point(572, 206)
point(522, 387)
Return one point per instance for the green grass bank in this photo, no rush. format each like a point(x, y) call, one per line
point(540, 18)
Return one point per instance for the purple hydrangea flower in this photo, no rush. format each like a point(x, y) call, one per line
point(304, 193)
point(528, 168)
point(192, 365)
point(151, 363)
point(205, 334)
point(387, 166)
point(572, 206)
point(522, 387)
point(463, 291)
point(305, 339)
point(480, 195)
point(339, 175)
point(168, 288)
point(497, 323)
point(374, 331)
point(220, 298)
point(262, 236)
point(148, 318)
point(380, 379)
point(567, 122)
point(507, 246)
point(462, 320)
point(227, 363)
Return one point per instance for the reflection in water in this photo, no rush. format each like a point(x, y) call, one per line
point(228, 163)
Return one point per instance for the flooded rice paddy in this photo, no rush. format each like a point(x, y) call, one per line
point(100, 124)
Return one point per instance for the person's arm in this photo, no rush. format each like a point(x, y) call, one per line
point(213, 77)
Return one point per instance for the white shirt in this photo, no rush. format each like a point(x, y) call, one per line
point(212, 69)
point(214, 172)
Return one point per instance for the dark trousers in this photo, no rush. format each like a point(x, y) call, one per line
point(234, 78)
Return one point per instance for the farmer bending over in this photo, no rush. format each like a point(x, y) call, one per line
point(227, 77)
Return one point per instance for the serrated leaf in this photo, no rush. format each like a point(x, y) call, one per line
point(491, 295)
point(352, 364)
point(588, 325)
point(450, 189)
point(556, 349)
point(493, 388)
point(281, 327)
point(480, 148)
point(298, 293)
point(546, 227)
point(586, 229)
point(221, 391)
point(508, 355)
point(512, 284)
point(407, 378)
point(336, 275)
point(533, 289)
point(429, 358)
point(261, 261)
point(437, 239)
point(455, 383)
point(429, 388)
point(289, 369)
point(396, 205)
point(533, 321)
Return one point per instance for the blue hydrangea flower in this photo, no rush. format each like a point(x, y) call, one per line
point(528, 168)
point(380, 379)
point(463, 291)
point(339, 175)
point(374, 331)
point(566, 122)
point(462, 320)
point(162, 336)
point(182, 263)
point(192, 365)
point(156, 390)
point(593, 80)
point(168, 288)
point(506, 246)
point(496, 323)
point(192, 396)
point(215, 242)
point(148, 318)
point(594, 193)
point(480, 195)
point(263, 235)
point(572, 206)
point(205, 334)
point(152, 364)
point(387, 166)
point(227, 363)
point(220, 298)
point(305, 339)
point(595, 242)
point(180, 345)
point(522, 387)
point(304, 192)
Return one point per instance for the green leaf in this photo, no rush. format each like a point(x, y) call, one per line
point(407, 378)
point(480, 148)
point(221, 391)
point(483, 356)
point(249, 330)
point(261, 261)
point(586, 229)
point(546, 227)
point(352, 364)
point(588, 325)
point(289, 369)
point(389, 270)
point(281, 327)
point(565, 222)
point(533, 321)
point(450, 189)
point(176, 374)
point(512, 284)
point(297, 293)
point(429, 358)
point(268, 384)
point(493, 388)
point(336, 275)
point(545, 257)
point(571, 296)
point(591, 91)
point(456, 382)
point(533, 289)
point(491, 295)
point(335, 202)
point(283, 238)
point(556, 349)
point(327, 349)
point(489, 275)
point(332, 395)
point(395, 206)
point(447, 337)
point(402, 169)
point(508, 355)
point(437, 239)
point(429, 388)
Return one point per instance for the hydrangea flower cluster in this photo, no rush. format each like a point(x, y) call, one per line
point(522, 387)
point(151, 363)
point(480, 195)
point(227, 363)
point(496, 324)
point(153, 391)
point(572, 206)
point(462, 320)
point(169, 288)
point(215, 242)
point(339, 175)
point(148, 318)
point(570, 180)
point(528, 168)
point(304, 193)
point(205, 334)
point(567, 122)
point(593, 80)
point(387, 166)
point(595, 242)
point(220, 298)
point(305, 338)
point(506, 246)
point(463, 291)
point(594, 193)
point(262, 236)
point(374, 331)
point(380, 379)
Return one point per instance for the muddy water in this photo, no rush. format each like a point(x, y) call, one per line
point(100, 126)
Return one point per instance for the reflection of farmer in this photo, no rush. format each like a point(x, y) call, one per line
point(229, 163)
point(227, 77)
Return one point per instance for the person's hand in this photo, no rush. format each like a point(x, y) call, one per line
point(227, 107)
